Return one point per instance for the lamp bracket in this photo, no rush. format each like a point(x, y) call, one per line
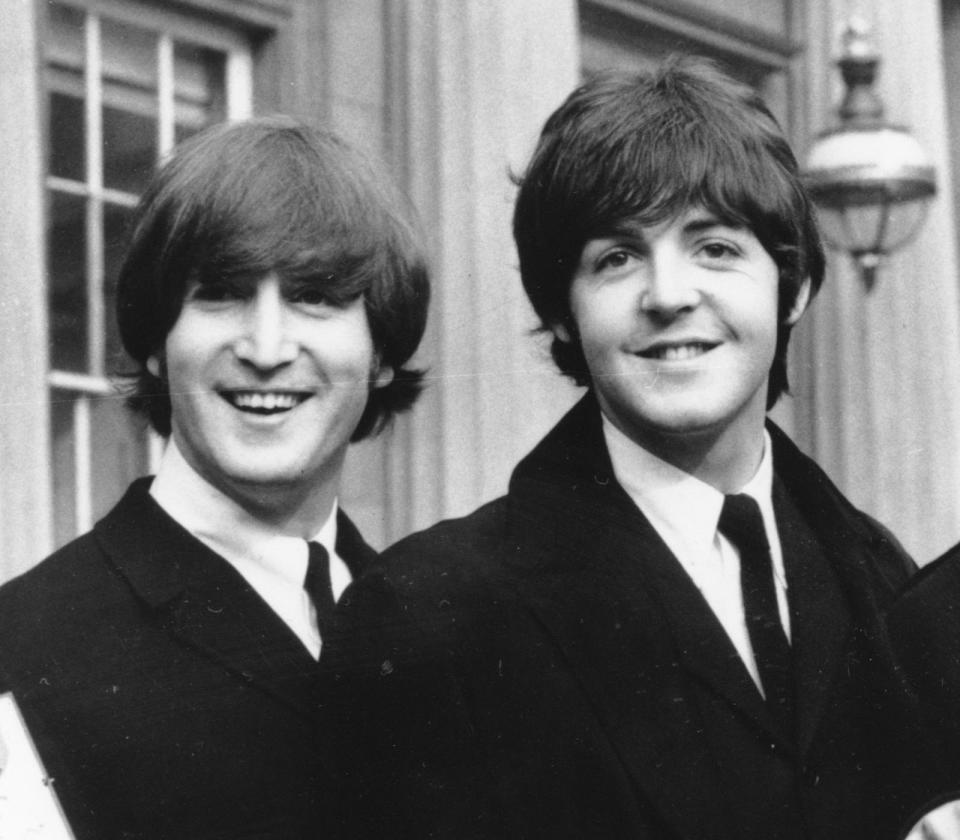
point(858, 66)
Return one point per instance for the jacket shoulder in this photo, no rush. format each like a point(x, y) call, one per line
point(441, 577)
point(933, 591)
point(464, 541)
point(897, 561)
point(46, 588)
point(924, 629)
point(825, 506)
point(53, 607)
point(889, 558)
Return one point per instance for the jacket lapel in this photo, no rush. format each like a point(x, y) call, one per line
point(203, 602)
point(222, 617)
point(838, 592)
point(707, 653)
point(819, 618)
point(636, 564)
point(612, 635)
point(352, 547)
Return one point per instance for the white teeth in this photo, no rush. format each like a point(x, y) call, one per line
point(264, 401)
point(681, 352)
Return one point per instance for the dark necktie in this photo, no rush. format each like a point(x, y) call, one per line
point(742, 524)
point(318, 586)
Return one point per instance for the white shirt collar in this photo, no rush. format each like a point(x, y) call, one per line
point(273, 564)
point(683, 509)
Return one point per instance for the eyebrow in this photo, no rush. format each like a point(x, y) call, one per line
point(700, 223)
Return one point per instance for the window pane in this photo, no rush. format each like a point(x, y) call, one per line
point(64, 51)
point(64, 45)
point(67, 276)
point(129, 105)
point(116, 220)
point(64, 467)
point(199, 88)
point(119, 451)
point(68, 137)
point(130, 149)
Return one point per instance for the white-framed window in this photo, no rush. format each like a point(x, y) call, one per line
point(125, 82)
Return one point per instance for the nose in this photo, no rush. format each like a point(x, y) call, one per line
point(669, 284)
point(264, 340)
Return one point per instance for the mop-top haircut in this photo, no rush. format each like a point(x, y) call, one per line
point(265, 195)
point(645, 148)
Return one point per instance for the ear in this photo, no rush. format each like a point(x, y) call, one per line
point(800, 303)
point(561, 332)
point(384, 376)
point(153, 366)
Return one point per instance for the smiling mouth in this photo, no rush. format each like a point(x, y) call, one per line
point(264, 402)
point(677, 352)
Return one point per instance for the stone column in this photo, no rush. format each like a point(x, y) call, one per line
point(25, 530)
point(471, 83)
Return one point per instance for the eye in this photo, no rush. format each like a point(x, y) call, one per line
point(309, 295)
point(215, 291)
point(321, 292)
point(613, 259)
point(719, 250)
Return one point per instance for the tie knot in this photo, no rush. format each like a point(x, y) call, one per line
point(317, 559)
point(742, 523)
point(318, 586)
point(317, 581)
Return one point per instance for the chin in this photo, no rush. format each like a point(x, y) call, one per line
point(691, 425)
point(268, 473)
point(691, 416)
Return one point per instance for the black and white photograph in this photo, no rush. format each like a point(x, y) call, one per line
point(474, 419)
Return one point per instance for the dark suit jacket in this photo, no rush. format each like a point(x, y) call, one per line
point(166, 698)
point(587, 690)
point(925, 631)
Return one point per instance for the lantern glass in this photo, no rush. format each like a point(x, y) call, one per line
point(878, 228)
point(872, 184)
point(871, 181)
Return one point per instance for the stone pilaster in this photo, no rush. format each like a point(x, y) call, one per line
point(472, 83)
point(24, 416)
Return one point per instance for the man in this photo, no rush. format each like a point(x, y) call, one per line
point(166, 663)
point(670, 626)
point(924, 628)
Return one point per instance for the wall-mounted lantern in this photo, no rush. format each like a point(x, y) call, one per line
point(871, 180)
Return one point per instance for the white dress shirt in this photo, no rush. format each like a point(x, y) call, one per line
point(685, 511)
point(274, 565)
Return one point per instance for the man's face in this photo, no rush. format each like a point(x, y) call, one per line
point(678, 324)
point(268, 381)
